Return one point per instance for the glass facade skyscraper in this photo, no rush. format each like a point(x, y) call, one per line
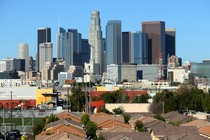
point(61, 40)
point(126, 47)
point(201, 69)
point(43, 36)
point(170, 38)
point(139, 48)
point(113, 42)
point(72, 47)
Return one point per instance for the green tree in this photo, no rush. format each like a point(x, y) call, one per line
point(52, 118)
point(108, 98)
point(85, 118)
point(184, 99)
point(91, 129)
point(118, 110)
point(100, 137)
point(38, 127)
point(142, 98)
point(159, 117)
point(126, 118)
point(118, 96)
point(114, 97)
point(139, 126)
point(103, 109)
point(77, 99)
point(125, 98)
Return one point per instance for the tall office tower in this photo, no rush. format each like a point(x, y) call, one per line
point(61, 40)
point(43, 36)
point(95, 40)
point(126, 47)
point(139, 48)
point(113, 42)
point(85, 52)
point(23, 53)
point(103, 54)
point(45, 54)
point(170, 38)
point(156, 40)
point(72, 48)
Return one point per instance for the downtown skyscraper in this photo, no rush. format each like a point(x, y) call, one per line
point(72, 47)
point(113, 42)
point(43, 36)
point(61, 42)
point(170, 38)
point(45, 54)
point(95, 41)
point(139, 48)
point(126, 47)
point(23, 53)
point(156, 40)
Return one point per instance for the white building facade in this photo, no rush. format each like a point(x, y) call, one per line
point(46, 54)
point(23, 53)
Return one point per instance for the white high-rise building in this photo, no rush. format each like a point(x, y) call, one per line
point(45, 54)
point(95, 41)
point(23, 53)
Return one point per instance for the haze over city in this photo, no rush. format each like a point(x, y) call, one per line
point(20, 20)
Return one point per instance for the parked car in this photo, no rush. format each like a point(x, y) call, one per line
point(1, 136)
point(13, 135)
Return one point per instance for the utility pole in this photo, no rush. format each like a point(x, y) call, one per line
point(11, 111)
point(22, 115)
point(90, 107)
point(68, 98)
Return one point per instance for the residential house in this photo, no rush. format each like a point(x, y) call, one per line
point(177, 118)
point(203, 127)
point(62, 126)
point(73, 116)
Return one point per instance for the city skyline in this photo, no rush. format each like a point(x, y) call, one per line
point(20, 20)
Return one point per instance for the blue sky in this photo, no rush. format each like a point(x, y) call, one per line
point(19, 20)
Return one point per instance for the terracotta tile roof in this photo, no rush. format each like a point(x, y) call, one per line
point(73, 115)
point(65, 128)
point(205, 130)
point(145, 114)
point(102, 117)
point(160, 128)
point(65, 121)
point(72, 137)
point(61, 136)
point(52, 124)
point(187, 136)
point(115, 129)
point(197, 123)
point(141, 118)
point(128, 135)
point(176, 117)
point(169, 130)
point(112, 123)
